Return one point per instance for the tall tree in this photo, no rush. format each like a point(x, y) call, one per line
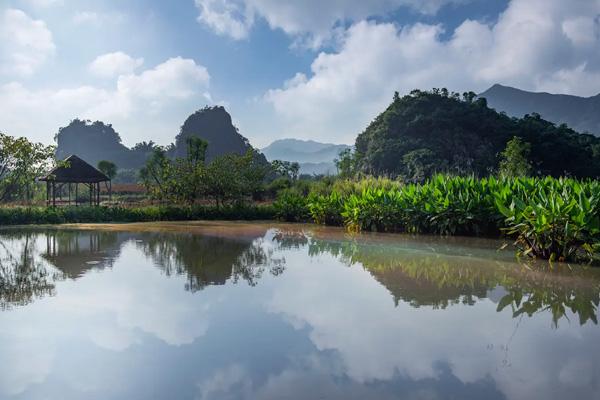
point(515, 158)
point(21, 162)
point(108, 168)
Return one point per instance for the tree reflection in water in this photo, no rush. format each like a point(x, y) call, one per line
point(32, 262)
point(211, 260)
point(432, 278)
point(23, 278)
point(434, 275)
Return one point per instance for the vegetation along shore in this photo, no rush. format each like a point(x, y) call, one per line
point(524, 179)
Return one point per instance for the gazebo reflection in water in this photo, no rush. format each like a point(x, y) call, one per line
point(72, 174)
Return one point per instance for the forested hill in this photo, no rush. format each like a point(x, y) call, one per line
point(427, 132)
point(214, 125)
point(580, 113)
point(95, 141)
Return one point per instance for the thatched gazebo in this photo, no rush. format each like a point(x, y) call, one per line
point(75, 172)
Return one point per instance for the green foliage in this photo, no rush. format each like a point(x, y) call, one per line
point(515, 158)
point(21, 162)
point(427, 132)
point(59, 215)
point(346, 164)
point(291, 206)
point(419, 164)
point(158, 175)
point(286, 169)
point(228, 178)
point(556, 219)
point(108, 168)
point(233, 177)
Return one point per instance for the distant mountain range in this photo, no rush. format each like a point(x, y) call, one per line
point(579, 113)
point(314, 157)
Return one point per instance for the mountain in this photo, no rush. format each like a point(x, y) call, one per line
point(214, 125)
point(580, 113)
point(93, 142)
point(437, 131)
point(96, 141)
point(302, 151)
point(313, 157)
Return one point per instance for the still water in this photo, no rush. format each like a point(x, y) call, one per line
point(263, 311)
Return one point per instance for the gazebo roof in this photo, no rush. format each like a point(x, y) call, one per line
point(78, 171)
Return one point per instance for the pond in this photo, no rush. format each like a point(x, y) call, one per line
point(274, 311)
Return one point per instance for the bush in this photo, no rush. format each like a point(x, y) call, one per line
point(59, 215)
point(291, 206)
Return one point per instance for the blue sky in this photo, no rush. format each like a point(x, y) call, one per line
point(314, 69)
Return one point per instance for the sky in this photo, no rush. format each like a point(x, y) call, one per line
point(311, 69)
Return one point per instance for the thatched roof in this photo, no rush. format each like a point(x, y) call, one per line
point(77, 171)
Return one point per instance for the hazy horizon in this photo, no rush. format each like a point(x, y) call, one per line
point(315, 70)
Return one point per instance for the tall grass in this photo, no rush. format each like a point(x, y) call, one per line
point(556, 219)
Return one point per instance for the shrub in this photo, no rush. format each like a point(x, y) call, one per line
point(291, 206)
point(58, 215)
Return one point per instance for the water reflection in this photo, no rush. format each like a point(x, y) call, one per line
point(22, 277)
point(207, 260)
point(437, 275)
point(261, 312)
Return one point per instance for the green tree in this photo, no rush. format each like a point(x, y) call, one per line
point(157, 175)
point(515, 158)
point(190, 172)
point(21, 162)
point(286, 169)
point(346, 163)
point(108, 168)
point(233, 177)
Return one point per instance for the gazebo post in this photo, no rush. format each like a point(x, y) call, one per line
point(98, 193)
point(76, 185)
point(53, 194)
point(91, 195)
point(47, 193)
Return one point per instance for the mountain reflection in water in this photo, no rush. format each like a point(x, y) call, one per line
point(269, 311)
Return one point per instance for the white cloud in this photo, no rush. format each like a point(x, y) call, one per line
point(227, 18)
point(170, 79)
point(315, 21)
point(144, 103)
point(393, 342)
point(534, 45)
point(114, 64)
point(26, 43)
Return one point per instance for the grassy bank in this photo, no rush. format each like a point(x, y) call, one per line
point(556, 219)
point(60, 215)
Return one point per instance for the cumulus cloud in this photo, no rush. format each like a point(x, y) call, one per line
point(314, 21)
point(534, 44)
point(26, 43)
point(225, 17)
point(114, 64)
point(135, 97)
